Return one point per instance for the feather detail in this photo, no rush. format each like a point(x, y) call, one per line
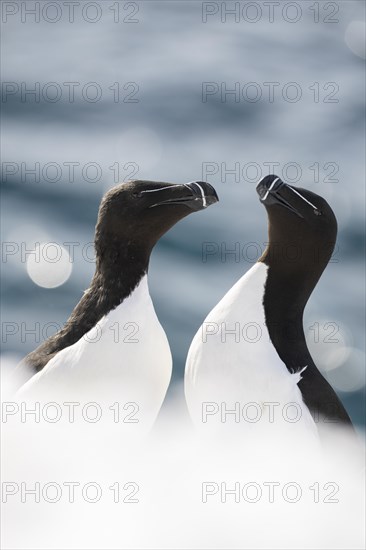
point(297, 374)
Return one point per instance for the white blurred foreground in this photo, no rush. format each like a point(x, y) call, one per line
point(77, 481)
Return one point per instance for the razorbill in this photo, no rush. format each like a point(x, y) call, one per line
point(250, 354)
point(113, 347)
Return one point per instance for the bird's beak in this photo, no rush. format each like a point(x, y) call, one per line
point(269, 191)
point(195, 195)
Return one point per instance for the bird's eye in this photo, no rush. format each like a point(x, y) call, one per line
point(318, 212)
point(137, 194)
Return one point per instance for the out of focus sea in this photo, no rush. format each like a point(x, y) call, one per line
point(162, 128)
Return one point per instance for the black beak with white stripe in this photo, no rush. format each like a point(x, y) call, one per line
point(272, 190)
point(196, 195)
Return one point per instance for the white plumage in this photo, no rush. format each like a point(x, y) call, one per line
point(232, 360)
point(125, 358)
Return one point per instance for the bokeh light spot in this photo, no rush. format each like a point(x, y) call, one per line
point(355, 38)
point(50, 265)
point(350, 376)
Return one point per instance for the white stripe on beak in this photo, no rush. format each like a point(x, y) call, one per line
point(303, 198)
point(202, 193)
point(269, 189)
point(155, 190)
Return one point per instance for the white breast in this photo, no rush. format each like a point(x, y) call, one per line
point(232, 361)
point(125, 358)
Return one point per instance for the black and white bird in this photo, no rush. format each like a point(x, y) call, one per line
point(266, 364)
point(112, 345)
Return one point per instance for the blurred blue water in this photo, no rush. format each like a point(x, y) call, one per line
point(170, 134)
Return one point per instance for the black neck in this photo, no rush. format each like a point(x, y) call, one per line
point(119, 269)
point(284, 303)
